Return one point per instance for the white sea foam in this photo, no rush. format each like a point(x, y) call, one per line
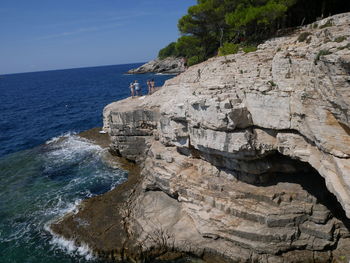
point(68, 149)
point(69, 146)
point(70, 246)
point(166, 74)
point(71, 151)
point(57, 138)
point(62, 208)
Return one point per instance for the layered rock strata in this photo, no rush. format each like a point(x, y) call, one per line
point(245, 158)
point(170, 65)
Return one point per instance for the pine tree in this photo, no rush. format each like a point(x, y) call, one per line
point(224, 25)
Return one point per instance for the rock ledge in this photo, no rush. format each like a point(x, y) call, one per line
point(244, 158)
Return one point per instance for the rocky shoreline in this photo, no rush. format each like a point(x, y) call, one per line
point(243, 158)
point(168, 65)
point(105, 213)
point(107, 235)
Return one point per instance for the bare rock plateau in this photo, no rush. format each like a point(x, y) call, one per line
point(243, 158)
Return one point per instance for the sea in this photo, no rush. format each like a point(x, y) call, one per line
point(46, 169)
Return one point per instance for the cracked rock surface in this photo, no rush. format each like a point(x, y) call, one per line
point(245, 157)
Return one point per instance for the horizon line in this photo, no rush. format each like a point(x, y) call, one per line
point(60, 69)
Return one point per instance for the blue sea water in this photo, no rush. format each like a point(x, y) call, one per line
point(45, 169)
point(37, 106)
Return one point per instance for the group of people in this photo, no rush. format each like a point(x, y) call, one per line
point(135, 88)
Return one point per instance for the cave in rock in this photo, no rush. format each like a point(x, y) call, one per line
point(310, 181)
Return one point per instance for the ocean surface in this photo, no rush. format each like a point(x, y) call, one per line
point(46, 170)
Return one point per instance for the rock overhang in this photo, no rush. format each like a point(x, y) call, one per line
point(239, 118)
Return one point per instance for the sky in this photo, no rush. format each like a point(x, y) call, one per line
point(38, 35)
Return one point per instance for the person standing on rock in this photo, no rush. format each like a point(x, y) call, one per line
point(152, 85)
point(131, 86)
point(137, 88)
point(149, 87)
point(184, 61)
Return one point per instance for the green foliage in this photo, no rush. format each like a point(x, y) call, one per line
point(247, 13)
point(322, 52)
point(249, 48)
point(256, 18)
point(228, 48)
point(213, 26)
point(303, 36)
point(340, 39)
point(194, 60)
point(189, 46)
point(210, 24)
point(169, 51)
point(206, 22)
point(272, 84)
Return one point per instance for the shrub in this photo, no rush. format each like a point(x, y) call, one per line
point(340, 39)
point(303, 36)
point(194, 60)
point(321, 53)
point(228, 48)
point(248, 49)
point(189, 46)
point(168, 51)
point(271, 83)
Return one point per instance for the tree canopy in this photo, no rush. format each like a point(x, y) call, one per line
point(211, 25)
point(169, 51)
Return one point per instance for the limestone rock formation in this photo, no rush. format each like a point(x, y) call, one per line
point(245, 157)
point(168, 65)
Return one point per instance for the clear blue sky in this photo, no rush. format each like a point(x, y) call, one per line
point(56, 34)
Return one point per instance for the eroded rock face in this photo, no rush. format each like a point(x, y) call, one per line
point(200, 208)
point(168, 65)
point(246, 156)
point(226, 138)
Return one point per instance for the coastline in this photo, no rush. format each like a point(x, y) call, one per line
point(103, 212)
point(166, 66)
point(232, 156)
point(107, 235)
point(51, 169)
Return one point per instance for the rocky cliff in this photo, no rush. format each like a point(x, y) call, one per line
point(245, 158)
point(168, 65)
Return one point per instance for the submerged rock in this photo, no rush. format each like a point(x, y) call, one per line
point(168, 65)
point(245, 158)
